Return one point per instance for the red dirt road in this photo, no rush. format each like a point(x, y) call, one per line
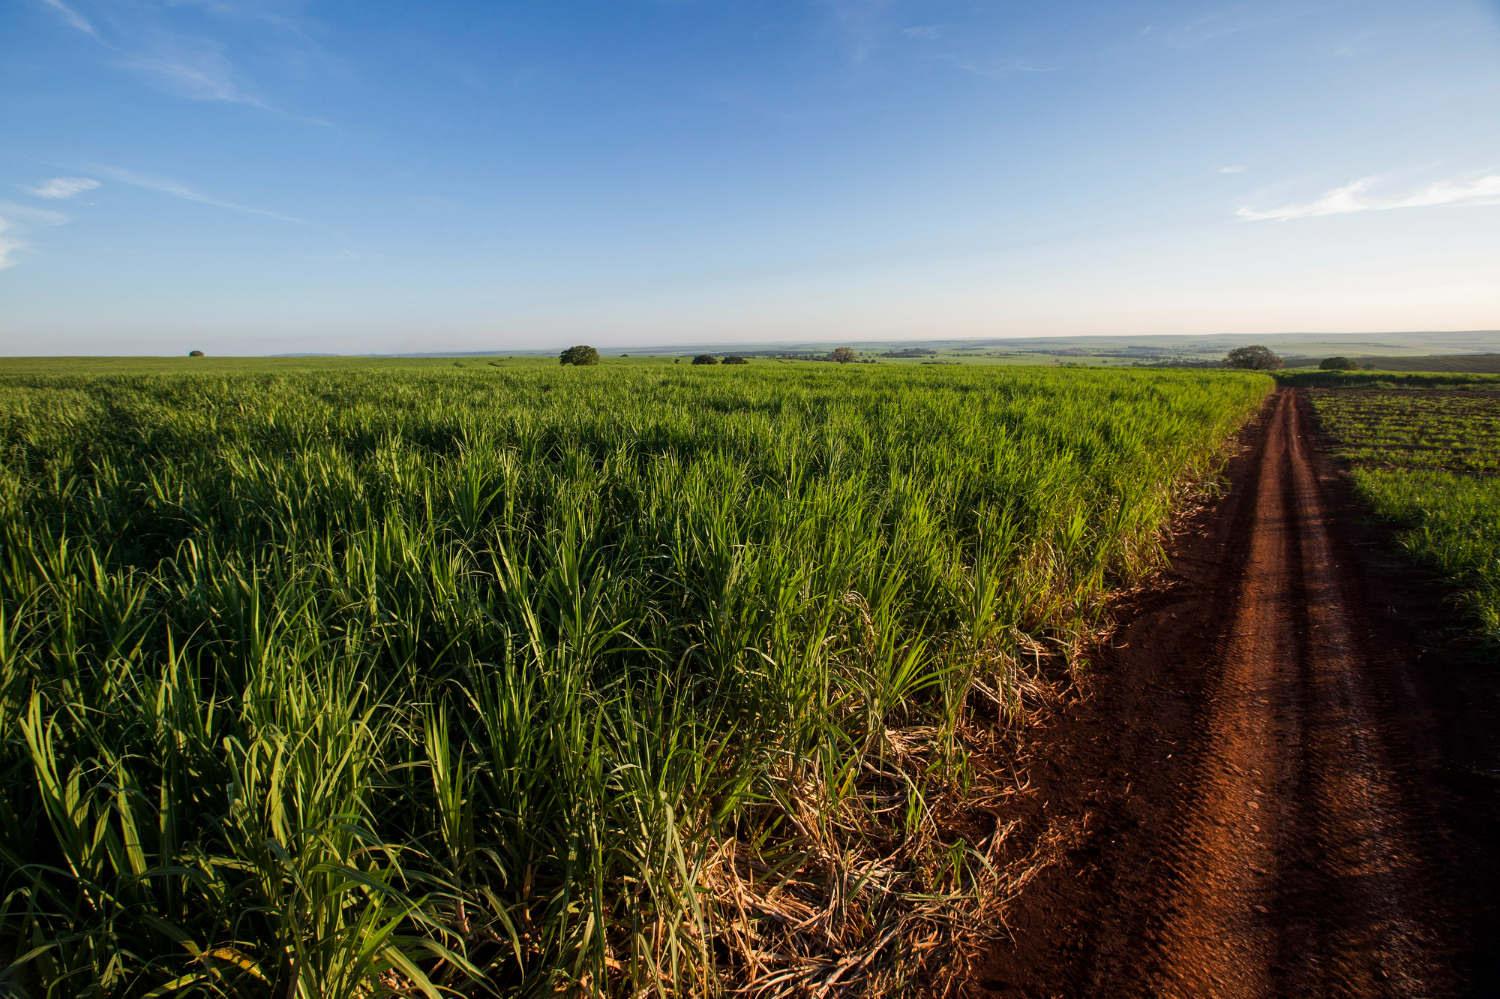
point(1266, 790)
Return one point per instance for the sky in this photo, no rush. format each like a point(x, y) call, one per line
point(273, 176)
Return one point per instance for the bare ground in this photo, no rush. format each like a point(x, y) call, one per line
point(1281, 780)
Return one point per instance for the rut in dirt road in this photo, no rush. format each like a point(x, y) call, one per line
point(1249, 823)
point(1297, 863)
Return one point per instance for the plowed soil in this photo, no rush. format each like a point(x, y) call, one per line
point(1280, 780)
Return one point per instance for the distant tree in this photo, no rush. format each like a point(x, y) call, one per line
point(195, 353)
point(705, 359)
point(735, 359)
point(580, 355)
point(1337, 364)
point(843, 355)
point(1256, 358)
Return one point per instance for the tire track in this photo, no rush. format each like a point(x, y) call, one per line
point(1299, 875)
point(1261, 833)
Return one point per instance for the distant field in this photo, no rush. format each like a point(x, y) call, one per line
point(1477, 382)
point(1392, 352)
point(1414, 429)
point(1428, 460)
point(324, 677)
point(1489, 363)
point(1152, 348)
point(229, 365)
point(92, 366)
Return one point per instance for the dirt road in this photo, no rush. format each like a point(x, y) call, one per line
point(1258, 791)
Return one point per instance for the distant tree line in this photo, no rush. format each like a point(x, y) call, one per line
point(584, 355)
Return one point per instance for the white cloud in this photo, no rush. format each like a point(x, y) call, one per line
point(996, 68)
point(166, 185)
point(8, 246)
point(144, 40)
point(864, 23)
point(1359, 197)
point(63, 187)
point(193, 69)
point(72, 16)
point(1236, 18)
point(198, 70)
point(1232, 169)
point(18, 220)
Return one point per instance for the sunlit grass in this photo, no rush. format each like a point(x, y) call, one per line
point(1451, 522)
point(1426, 461)
point(1461, 380)
point(518, 679)
point(1453, 430)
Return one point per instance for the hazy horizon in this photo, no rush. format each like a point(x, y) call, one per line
point(1360, 344)
point(274, 177)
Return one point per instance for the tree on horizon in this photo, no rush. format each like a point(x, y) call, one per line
point(580, 355)
point(1253, 358)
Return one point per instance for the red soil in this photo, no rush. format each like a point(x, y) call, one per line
point(1280, 781)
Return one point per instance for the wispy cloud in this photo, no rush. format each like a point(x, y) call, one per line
point(941, 41)
point(195, 69)
point(1232, 169)
point(63, 187)
point(1238, 18)
point(863, 23)
point(146, 41)
point(165, 185)
point(8, 246)
point(16, 221)
point(198, 70)
point(1359, 196)
point(72, 16)
point(996, 68)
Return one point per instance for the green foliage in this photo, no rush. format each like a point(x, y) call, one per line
point(735, 359)
point(1474, 363)
point(1388, 380)
point(1459, 431)
point(1451, 522)
point(373, 680)
point(705, 359)
point(581, 355)
point(1254, 358)
point(1337, 364)
point(1406, 447)
point(842, 355)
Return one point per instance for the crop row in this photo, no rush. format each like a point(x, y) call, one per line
point(1452, 430)
point(517, 681)
point(1426, 461)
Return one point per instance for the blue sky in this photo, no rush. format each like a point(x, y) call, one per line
point(262, 177)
